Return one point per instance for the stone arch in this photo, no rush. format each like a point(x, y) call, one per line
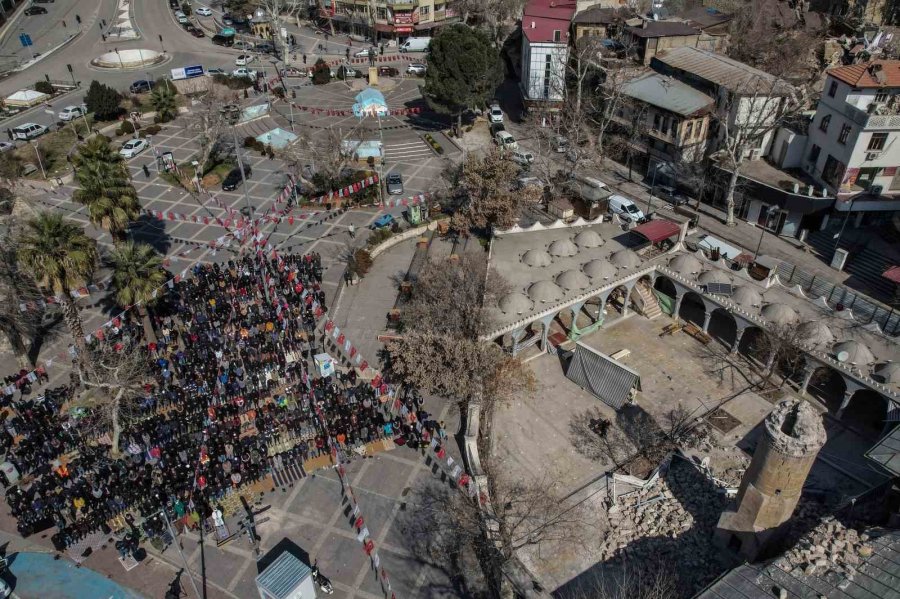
point(619, 298)
point(693, 308)
point(753, 344)
point(664, 285)
point(866, 411)
point(723, 327)
point(828, 387)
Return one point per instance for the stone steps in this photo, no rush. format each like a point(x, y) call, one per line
point(651, 307)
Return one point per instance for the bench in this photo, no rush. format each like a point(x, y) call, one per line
point(697, 333)
point(671, 328)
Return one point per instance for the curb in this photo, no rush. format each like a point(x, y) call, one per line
point(11, 22)
point(46, 54)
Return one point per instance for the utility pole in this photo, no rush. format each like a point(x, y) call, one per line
point(263, 270)
point(177, 543)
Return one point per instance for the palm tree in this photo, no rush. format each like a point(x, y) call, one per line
point(19, 326)
point(163, 101)
point(61, 258)
point(105, 187)
point(137, 273)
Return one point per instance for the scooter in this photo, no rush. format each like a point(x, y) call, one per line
point(324, 583)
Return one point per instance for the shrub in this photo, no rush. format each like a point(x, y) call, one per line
point(119, 132)
point(321, 73)
point(434, 144)
point(136, 102)
point(44, 87)
point(378, 236)
point(153, 129)
point(270, 152)
point(126, 128)
point(362, 262)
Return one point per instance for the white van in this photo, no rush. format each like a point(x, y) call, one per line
point(589, 189)
point(505, 141)
point(181, 17)
point(415, 44)
point(28, 131)
point(522, 157)
point(623, 206)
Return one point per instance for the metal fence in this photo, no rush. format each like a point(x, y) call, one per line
point(864, 309)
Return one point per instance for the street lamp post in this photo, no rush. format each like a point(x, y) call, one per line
point(40, 163)
point(237, 153)
point(837, 242)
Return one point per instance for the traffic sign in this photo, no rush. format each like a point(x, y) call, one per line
point(26, 40)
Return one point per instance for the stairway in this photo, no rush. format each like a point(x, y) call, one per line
point(864, 264)
point(650, 304)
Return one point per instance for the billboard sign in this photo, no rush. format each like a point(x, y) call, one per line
point(187, 72)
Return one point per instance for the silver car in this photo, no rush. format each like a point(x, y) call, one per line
point(395, 183)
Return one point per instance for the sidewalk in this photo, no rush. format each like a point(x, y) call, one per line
point(712, 221)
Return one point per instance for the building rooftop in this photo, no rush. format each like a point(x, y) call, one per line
point(663, 29)
point(721, 71)
point(875, 577)
point(877, 74)
point(597, 14)
point(704, 17)
point(283, 575)
point(667, 93)
point(542, 17)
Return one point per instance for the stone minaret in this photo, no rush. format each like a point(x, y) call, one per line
point(771, 487)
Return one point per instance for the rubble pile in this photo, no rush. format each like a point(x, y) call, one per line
point(830, 548)
point(672, 522)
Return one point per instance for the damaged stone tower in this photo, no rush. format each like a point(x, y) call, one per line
point(771, 487)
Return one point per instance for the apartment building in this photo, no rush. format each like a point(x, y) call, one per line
point(854, 139)
point(545, 51)
point(389, 19)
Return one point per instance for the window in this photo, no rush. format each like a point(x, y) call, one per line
point(557, 35)
point(656, 122)
point(823, 124)
point(832, 89)
point(424, 11)
point(689, 130)
point(882, 97)
point(845, 133)
point(381, 14)
point(877, 142)
point(814, 154)
point(833, 172)
point(547, 76)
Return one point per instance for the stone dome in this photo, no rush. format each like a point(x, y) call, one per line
point(588, 239)
point(544, 291)
point(857, 353)
point(816, 333)
point(747, 297)
point(537, 258)
point(780, 314)
point(888, 373)
point(713, 276)
point(687, 265)
point(625, 259)
point(599, 269)
point(563, 248)
point(515, 303)
point(571, 280)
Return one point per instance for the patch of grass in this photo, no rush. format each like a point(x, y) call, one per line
point(53, 148)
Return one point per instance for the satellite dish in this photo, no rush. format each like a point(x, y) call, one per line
point(842, 356)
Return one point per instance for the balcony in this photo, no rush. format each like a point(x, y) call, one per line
point(881, 117)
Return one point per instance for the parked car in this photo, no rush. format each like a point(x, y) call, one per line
point(6, 146)
point(195, 31)
point(133, 147)
point(624, 207)
point(28, 131)
point(495, 114)
point(72, 112)
point(364, 53)
point(385, 220)
point(505, 141)
point(244, 59)
point(346, 72)
point(522, 157)
point(529, 181)
point(181, 17)
point(670, 195)
point(233, 180)
point(244, 72)
point(242, 45)
point(388, 71)
point(35, 10)
point(141, 86)
point(416, 68)
point(203, 11)
point(291, 72)
point(561, 144)
point(496, 128)
point(227, 20)
point(265, 47)
point(223, 40)
point(215, 71)
point(395, 183)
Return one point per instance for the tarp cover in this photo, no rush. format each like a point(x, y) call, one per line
point(657, 230)
point(608, 380)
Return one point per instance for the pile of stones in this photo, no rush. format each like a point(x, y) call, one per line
point(830, 548)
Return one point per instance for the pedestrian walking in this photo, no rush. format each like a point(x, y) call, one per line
point(9, 133)
point(304, 59)
point(352, 231)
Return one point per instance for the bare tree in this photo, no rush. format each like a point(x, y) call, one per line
point(209, 123)
point(316, 159)
point(498, 16)
point(594, 436)
point(645, 579)
point(276, 11)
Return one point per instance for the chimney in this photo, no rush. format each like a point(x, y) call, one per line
point(532, 24)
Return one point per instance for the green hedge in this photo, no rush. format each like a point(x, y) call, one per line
point(434, 144)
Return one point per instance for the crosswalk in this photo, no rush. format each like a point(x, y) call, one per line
point(405, 151)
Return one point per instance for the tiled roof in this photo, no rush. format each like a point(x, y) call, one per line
point(866, 74)
point(663, 29)
point(597, 14)
point(543, 17)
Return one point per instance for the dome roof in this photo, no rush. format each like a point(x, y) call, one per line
point(713, 276)
point(599, 269)
point(780, 314)
point(515, 303)
point(747, 297)
point(589, 239)
point(889, 373)
point(857, 353)
point(536, 258)
point(562, 248)
point(625, 259)
point(816, 333)
point(572, 279)
point(544, 291)
point(686, 265)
